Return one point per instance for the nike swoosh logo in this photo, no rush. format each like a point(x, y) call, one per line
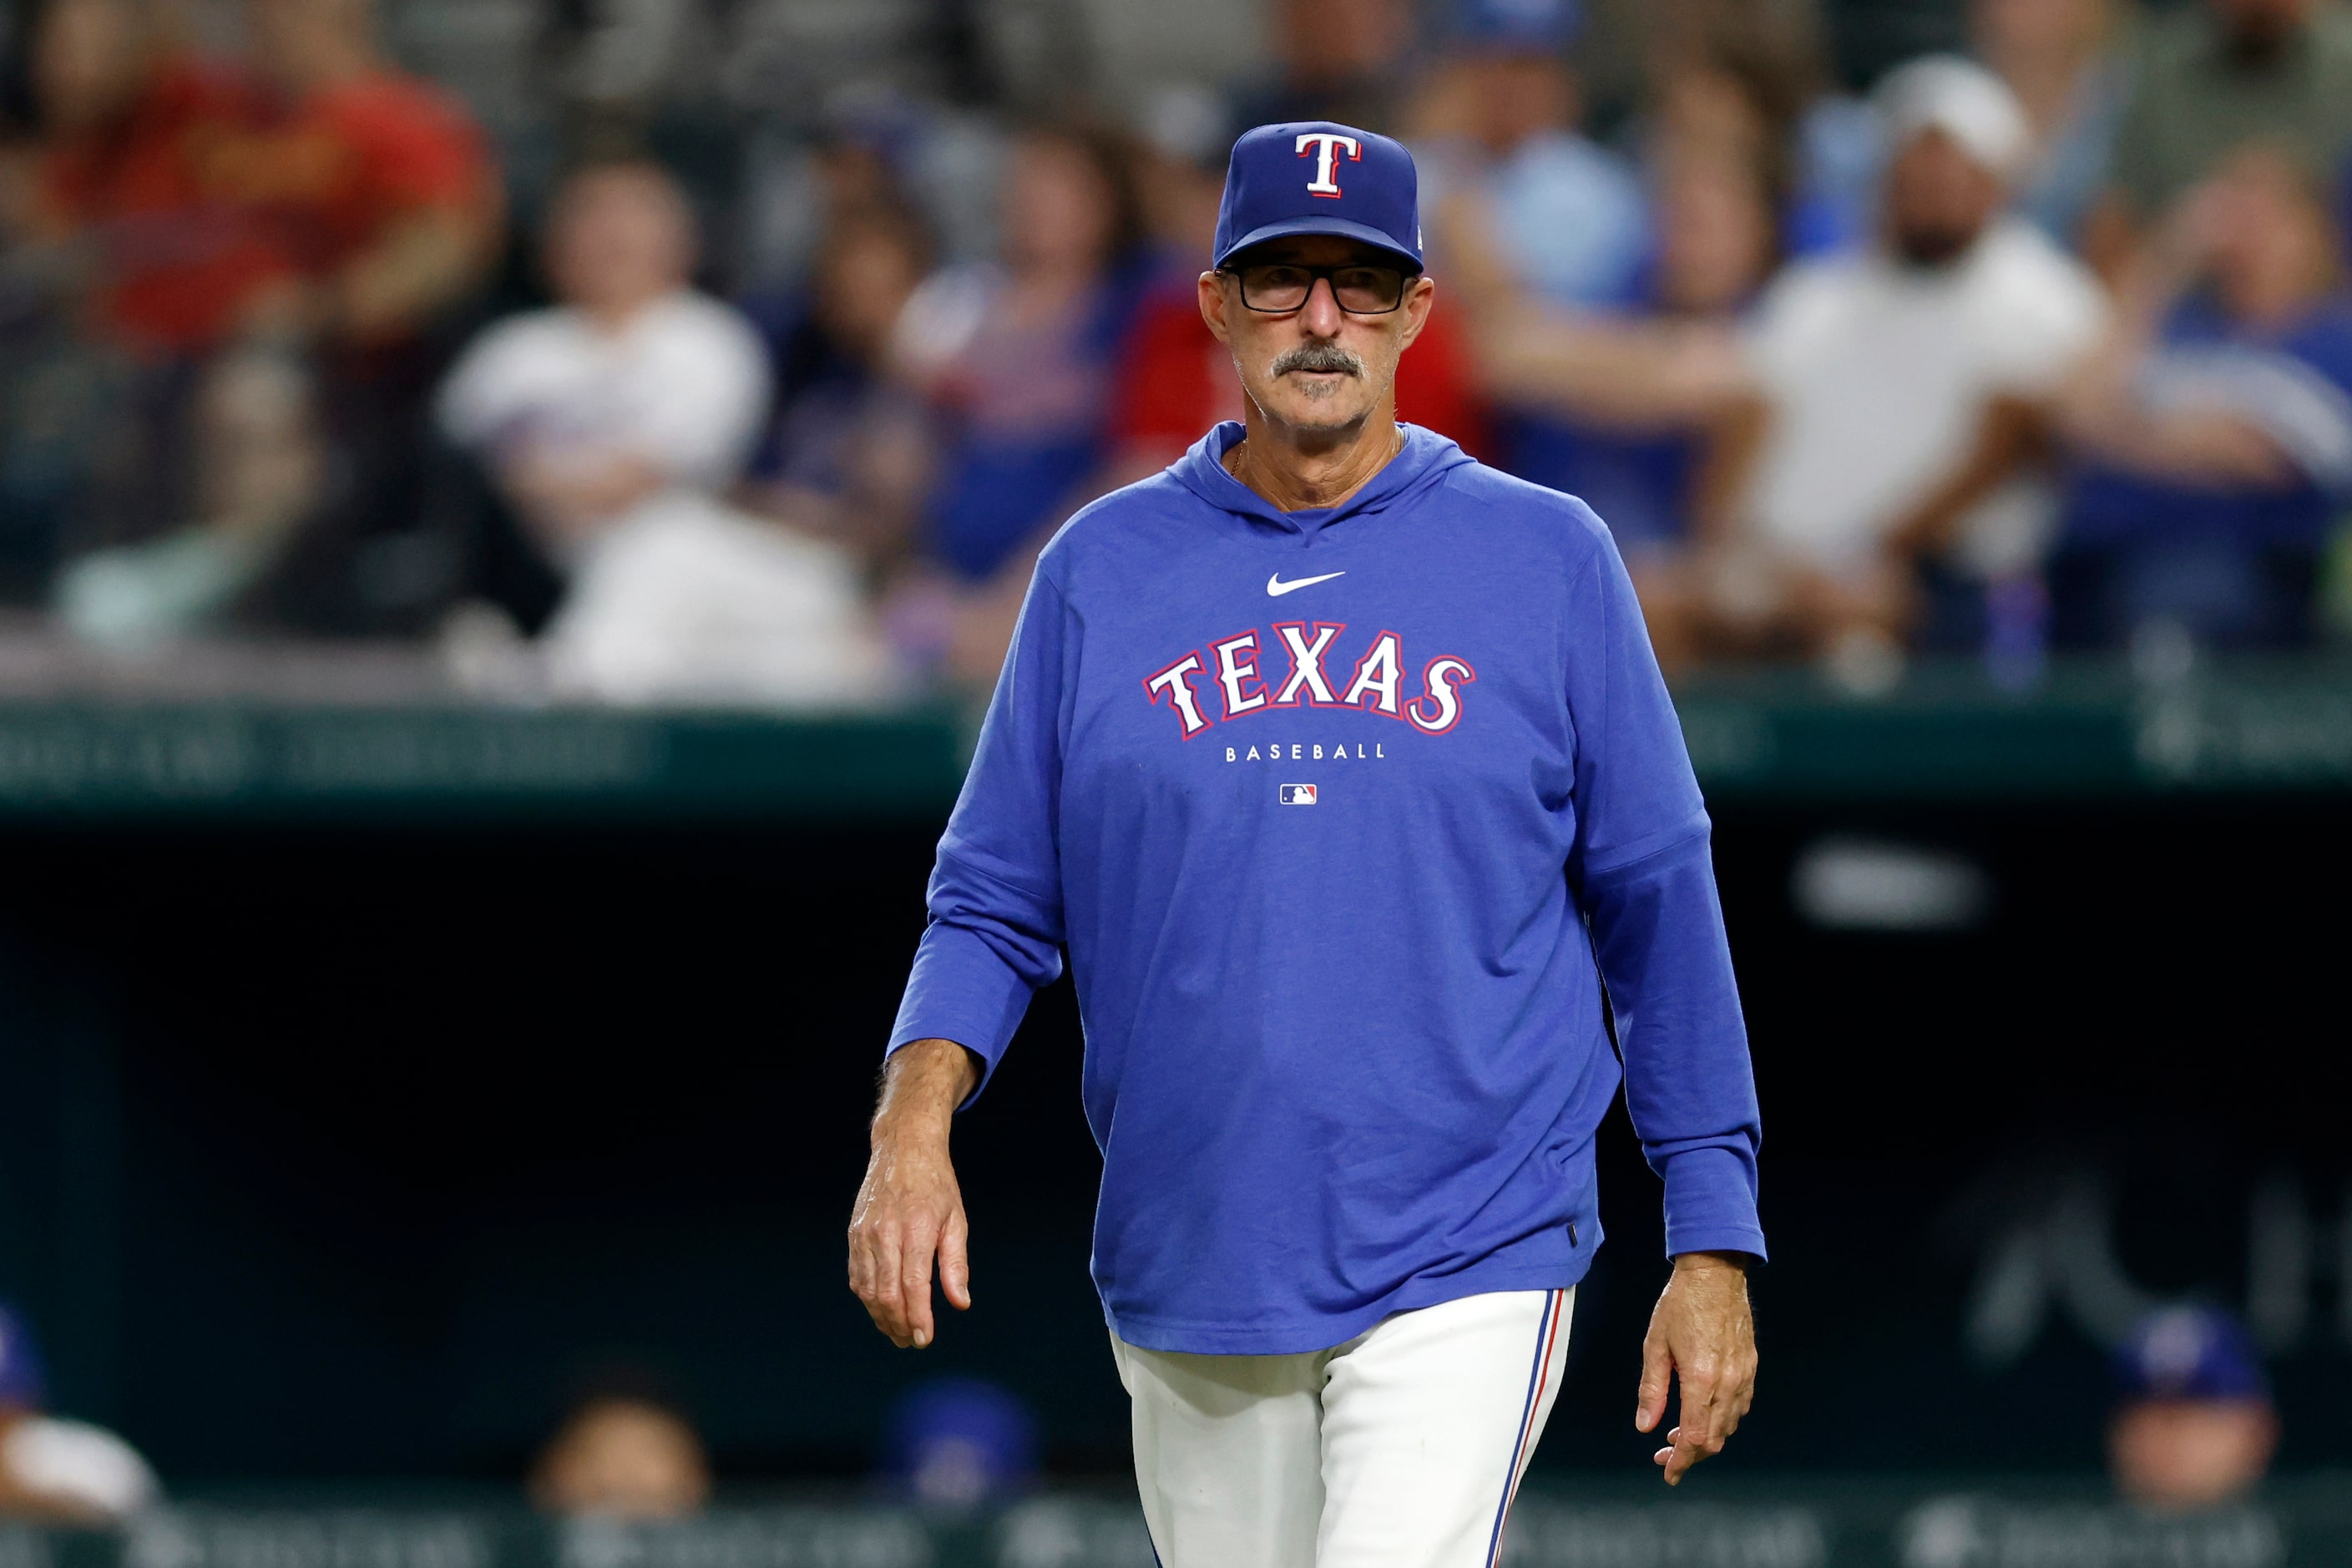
point(1276, 587)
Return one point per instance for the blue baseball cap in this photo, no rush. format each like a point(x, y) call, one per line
point(959, 1442)
point(1542, 27)
point(1314, 177)
point(2190, 1353)
point(23, 1385)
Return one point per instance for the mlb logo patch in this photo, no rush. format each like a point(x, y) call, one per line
point(1296, 794)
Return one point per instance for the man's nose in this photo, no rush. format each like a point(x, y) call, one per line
point(1322, 315)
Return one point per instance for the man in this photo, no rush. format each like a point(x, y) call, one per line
point(2212, 80)
point(376, 187)
point(130, 122)
point(378, 194)
point(2194, 1426)
point(1179, 380)
point(2214, 426)
point(1341, 892)
point(56, 1473)
point(633, 384)
point(1901, 395)
point(1562, 216)
point(613, 423)
point(623, 1453)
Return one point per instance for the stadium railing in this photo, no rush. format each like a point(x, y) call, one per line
point(1752, 1523)
point(1943, 733)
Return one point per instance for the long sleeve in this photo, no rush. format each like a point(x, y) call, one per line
point(1642, 874)
point(995, 897)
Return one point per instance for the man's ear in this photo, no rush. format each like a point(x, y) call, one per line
point(1420, 296)
point(1213, 304)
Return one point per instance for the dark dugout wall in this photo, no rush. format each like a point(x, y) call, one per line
point(327, 1154)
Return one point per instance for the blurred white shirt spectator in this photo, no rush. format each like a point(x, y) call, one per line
point(614, 422)
point(1891, 464)
point(54, 1471)
point(694, 602)
point(681, 386)
point(1878, 373)
point(77, 1472)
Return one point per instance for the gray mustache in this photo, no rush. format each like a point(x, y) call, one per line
point(1318, 357)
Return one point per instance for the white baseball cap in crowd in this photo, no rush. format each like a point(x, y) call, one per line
point(1965, 101)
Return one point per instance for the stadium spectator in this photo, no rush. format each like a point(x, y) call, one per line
point(321, 210)
point(130, 188)
point(2215, 425)
point(52, 1471)
point(1561, 215)
point(360, 194)
point(1529, 211)
point(377, 190)
point(1627, 404)
point(133, 266)
point(1900, 410)
point(1185, 134)
point(1177, 379)
point(1016, 356)
point(623, 1456)
point(257, 474)
point(2057, 57)
point(1015, 359)
point(611, 422)
point(1341, 60)
point(374, 186)
point(634, 382)
point(2194, 1428)
point(2212, 78)
point(843, 456)
point(1731, 78)
point(958, 1443)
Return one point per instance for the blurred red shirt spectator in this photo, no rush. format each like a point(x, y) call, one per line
point(205, 194)
point(1180, 382)
point(130, 123)
point(329, 175)
point(376, 187)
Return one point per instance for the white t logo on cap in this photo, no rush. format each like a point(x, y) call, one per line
point(1326, 158)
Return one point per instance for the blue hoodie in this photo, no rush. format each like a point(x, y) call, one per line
point(1342, 815)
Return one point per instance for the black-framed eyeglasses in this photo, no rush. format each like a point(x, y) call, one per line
point(1278, 288)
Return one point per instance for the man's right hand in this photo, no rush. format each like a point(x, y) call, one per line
point(910, 1209)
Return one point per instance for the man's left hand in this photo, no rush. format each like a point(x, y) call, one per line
point(1701, 1332)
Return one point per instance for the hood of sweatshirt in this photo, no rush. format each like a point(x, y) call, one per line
point(1424, 460)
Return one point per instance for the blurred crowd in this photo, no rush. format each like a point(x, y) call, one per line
point(703, 356)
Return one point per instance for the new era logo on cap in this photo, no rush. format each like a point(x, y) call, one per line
point(1314, 177)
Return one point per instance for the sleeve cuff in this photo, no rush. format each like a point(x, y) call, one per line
point(961, 990)
point(1711, 1203)
point(1747, 1239)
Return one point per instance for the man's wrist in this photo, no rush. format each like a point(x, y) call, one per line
point(1738, 1261)
point(922, 1086)
point(897, 1123)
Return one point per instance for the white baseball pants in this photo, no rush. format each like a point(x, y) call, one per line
point(1400, 1448)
